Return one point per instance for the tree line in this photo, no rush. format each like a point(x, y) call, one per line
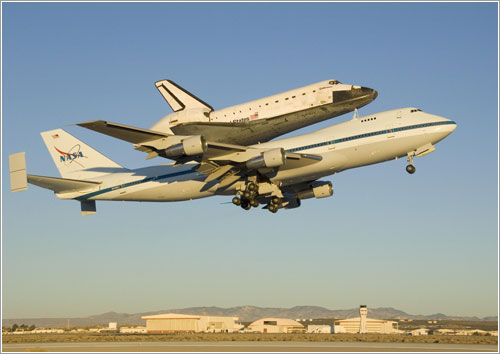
point(15, 326)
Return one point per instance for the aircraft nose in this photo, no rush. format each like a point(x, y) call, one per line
point(443, 127)
point(365, 93)
point(355, 97)
point(370, 92)
point(453, 126)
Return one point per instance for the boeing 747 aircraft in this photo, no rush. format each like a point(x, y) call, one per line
point(277, 174)
point(260, 120)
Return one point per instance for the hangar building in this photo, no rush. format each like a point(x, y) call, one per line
point(173, 322)
point(276, 325)
point(363, 324)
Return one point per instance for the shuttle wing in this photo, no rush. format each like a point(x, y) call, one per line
point(259, 130)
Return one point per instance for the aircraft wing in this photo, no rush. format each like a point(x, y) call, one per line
point(219, 161)
point(151, 142)
point(124, 132)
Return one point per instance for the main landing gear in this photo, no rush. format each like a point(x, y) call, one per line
point(410, 168)
point(274, 205)
point(248, 197)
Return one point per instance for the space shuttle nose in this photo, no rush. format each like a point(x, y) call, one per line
point(355, 96)
point(370, 92)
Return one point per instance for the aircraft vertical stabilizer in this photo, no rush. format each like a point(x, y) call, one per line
point(74, 159)
point(178, 98)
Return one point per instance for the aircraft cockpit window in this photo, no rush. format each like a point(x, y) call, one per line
point(415, 110)
point(334, 82)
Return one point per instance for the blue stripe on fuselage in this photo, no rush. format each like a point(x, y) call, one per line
point(367, 135)
point(306, 147)
point(129, 184)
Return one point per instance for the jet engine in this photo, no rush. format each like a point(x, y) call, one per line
point(319, 189)
point(268, 159)
point(194, 145)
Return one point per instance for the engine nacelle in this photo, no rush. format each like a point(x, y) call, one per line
point(268, 159)
point(319, 189)
point(194, 145)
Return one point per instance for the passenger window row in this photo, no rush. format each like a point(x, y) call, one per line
point(380, 132)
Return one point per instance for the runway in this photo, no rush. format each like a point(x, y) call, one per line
point(246, 347)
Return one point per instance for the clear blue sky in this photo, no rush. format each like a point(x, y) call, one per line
point(424, 243)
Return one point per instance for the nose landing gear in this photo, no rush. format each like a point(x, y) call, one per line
point(410, 168)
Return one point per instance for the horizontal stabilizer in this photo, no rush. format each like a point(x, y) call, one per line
point(178, 98)
point(61, 185)
point(17, 167)
point(123, 132)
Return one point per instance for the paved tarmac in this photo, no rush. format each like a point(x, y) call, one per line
point(246, 347)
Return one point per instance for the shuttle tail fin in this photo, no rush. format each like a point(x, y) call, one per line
point(178, 98)
point(74, 159)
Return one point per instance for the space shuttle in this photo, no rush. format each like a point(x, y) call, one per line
point(260, 120)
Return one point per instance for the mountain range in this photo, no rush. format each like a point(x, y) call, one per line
point(244, 313)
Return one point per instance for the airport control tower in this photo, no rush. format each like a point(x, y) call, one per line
point(363, 312)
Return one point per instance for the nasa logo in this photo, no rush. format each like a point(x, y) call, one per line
point(69, 157)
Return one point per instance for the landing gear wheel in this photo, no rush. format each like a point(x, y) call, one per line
point(275, 201)
point(254, 203)
point(252, 187)
point(236, 201)
point(272, 208)
point(245, 204)
point(247, 195)
point(410, 169)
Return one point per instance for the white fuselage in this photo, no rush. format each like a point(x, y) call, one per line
point(358, 142)
point(309, 104)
